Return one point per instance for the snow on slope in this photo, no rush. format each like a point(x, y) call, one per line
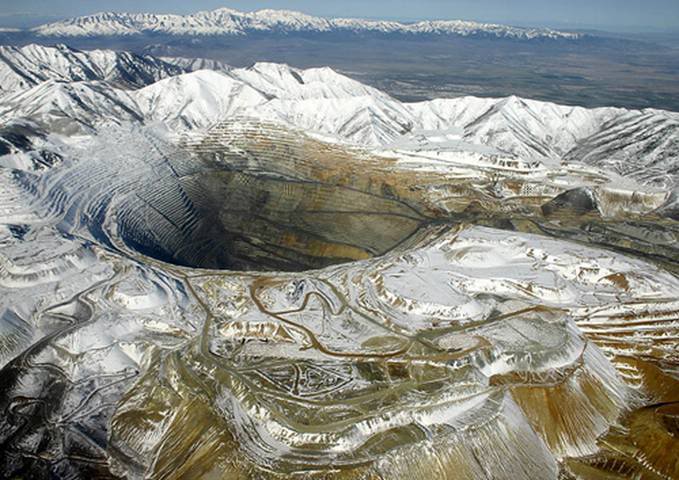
point(196, 100)
point(527, 128)
point(225, 21)
point(194, 64)
point(321, 100)
point(69, 107)
point(25, 67)
point(642, 145)
point(361, 120)
point(282, 81)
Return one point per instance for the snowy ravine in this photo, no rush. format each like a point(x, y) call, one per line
point(273, 273)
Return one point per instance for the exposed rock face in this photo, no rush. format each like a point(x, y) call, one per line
point(572, 202)
point(309, 279)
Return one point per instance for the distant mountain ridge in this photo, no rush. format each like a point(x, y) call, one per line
point(226, 21)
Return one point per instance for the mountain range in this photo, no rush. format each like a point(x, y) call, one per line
point(25, 67)
point(226, 21)
point(62, 89)
point(421, 60)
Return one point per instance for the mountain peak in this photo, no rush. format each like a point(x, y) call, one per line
point(220, 11)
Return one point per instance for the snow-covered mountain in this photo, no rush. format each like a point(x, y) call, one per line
point(193, 64)
point(637, 144)
point(225, 21)
point(643, 145)
point(71, 106)
point(24, 67)
point(528, 128)
point(196, 100)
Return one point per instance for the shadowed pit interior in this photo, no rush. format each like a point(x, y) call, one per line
point(229, 220)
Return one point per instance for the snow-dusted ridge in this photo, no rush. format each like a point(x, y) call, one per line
point(25, 67)
point(83, 90)
point(226, 21)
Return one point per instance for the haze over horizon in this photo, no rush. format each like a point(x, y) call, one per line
point(576, 14)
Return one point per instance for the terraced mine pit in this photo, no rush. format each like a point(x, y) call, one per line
point(240, 221)
point(252, 300)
